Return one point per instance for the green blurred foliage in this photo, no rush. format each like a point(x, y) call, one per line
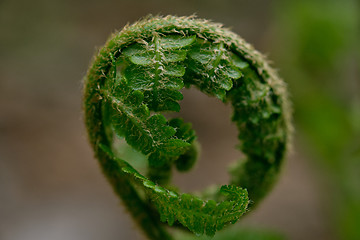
point(318, 49)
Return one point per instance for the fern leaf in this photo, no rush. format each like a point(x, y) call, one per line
point(211, 68)
point(139, 74)
point(156, 68)
point(148, 134)
point(192, 212)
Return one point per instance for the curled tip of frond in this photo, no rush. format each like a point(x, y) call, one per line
point(138, 75)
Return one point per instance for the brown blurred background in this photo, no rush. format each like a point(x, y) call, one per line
point(50, 184)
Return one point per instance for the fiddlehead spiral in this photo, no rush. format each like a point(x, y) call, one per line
point(138, 74)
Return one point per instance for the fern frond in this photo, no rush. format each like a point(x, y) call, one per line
point(138, 75)
point(192, 212)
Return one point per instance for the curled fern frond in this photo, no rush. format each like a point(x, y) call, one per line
point(138, 75)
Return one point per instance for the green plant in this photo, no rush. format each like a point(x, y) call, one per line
point(137, 75)
point(318, 48)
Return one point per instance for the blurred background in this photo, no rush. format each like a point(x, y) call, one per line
point(50, 184)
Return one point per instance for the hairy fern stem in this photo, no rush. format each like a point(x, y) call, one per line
point(137, 75)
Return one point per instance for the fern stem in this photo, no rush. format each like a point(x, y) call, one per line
point(140, 211)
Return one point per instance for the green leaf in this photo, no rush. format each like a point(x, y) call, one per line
point(131, 119)
point(174, 56)
point(197, 215)
point(139, 55)
point(210, 67)
point(156, 69)
point(176, 41)
point(175, 70)
point(238, 62)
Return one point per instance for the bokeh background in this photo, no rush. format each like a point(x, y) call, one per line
point(50, 184)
